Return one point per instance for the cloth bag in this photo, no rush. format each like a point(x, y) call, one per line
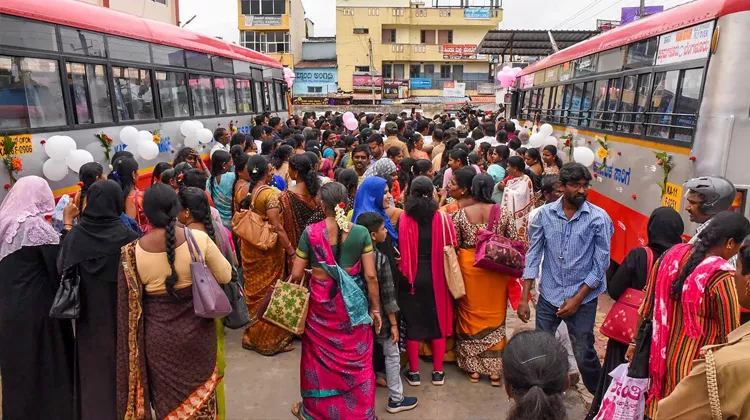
point(209, 300)
point(453, 277)
point(286, 305)
point(253, 228)
point(620, 322)
point(240, 316)
point(498, 253)
point(67, 302)
point(625, 398)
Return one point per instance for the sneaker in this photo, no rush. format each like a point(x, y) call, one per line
point(406, 404)
point(412, 378)
point(438, 378)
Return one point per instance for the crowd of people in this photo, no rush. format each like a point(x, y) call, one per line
point(368, 221)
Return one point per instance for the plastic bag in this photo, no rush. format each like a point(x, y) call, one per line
point(57, 214)
point(625, 398)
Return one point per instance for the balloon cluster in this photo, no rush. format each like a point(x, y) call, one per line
point(350, 121)
point(543, 137)
point(140, 142)
point(508, 76)
point(289, 77)
point(63, 156)
point(195, 134)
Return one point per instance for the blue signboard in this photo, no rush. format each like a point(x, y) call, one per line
point(420, 83)
point(477, 13)
point(319, 75)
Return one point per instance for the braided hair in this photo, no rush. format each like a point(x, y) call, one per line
point(306, 169)
point(218, 160)
point(240, 164)
point(161, 205)
point(482, 187)
point(122, 173)
point(257, 167)
point(195, 200)
point(723, 227)
point(88, 174)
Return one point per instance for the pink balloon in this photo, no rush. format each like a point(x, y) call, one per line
point(351, 124)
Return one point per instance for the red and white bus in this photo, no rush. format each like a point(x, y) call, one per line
point(75, 69)
point(675, 83)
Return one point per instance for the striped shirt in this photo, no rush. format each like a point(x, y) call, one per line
point(576, 250)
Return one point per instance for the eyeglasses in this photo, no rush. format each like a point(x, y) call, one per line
point(579, 186)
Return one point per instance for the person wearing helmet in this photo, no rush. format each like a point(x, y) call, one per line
point(707, 196)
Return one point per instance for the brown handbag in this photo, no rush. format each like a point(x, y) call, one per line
point(453, 276)
point(254, 228)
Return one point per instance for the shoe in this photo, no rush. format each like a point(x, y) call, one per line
point(438, 378)
point(408, 403)
point(412, 378)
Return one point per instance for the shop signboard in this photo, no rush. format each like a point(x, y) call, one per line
point(459, 51)
point(363, 81)
point(263, 20)
point(477, 13)
point(315, 75)
point(310, 101)
point(485, 88)
point(527, 81)
point(396, 88)
point(421, 83)
point(454, 89)
point(686, 44)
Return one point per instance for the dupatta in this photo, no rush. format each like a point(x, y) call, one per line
point(349, 282)
point(518, 199)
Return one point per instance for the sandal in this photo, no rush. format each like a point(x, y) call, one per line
point(495, 380)
point(297, 410)
point(381, 382)
point(286, 349)
point(474, 378)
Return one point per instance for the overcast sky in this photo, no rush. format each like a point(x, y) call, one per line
point(219, 17)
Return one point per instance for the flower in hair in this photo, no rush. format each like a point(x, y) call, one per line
point(342, 205)
point(255, 170)
point(115, 174)
point(341, 218)
point(81, 184)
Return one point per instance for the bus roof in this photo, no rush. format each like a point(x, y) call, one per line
point(688, 14)
point(82, 15)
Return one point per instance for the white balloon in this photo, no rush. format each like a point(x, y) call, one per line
point(536, 140)
point(546, 129)
point(145, 136)
point(583, 155)
point(514, 121)
point(550, 141)
point(77, 158)
point(58, 147)
point(96, 150)
point(148, 150)
point(204, 135)
point(198, 124)
point(191, 141)
point(129, 135)
point(55, 169)
point(187, 128)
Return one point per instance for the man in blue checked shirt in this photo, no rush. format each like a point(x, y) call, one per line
point(574, 237)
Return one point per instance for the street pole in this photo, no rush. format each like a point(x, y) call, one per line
point(642, 11)
point(372, 72)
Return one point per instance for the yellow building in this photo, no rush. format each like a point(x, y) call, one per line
point(274, 27)
point(430, 47)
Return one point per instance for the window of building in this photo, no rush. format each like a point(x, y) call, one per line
point(427, 37)
point(29, 85)
point(429, 70)
point(414, 70)
point(225, 95)
point(203, 95)
point(445, 71)
point(315, 89)
point(398, 71)
point(458, 73)
point(164, 2)
point(133, 95)
point(445, 37)
point(168, 56)
point(126, 49)
point(641, 54)
point(245, 95)
point(361, 31)
point(22, 33)
point(77, 41)
point(263, 7)
point(389, 36)
point(387, 71)
point(173, 94)
point(267, 42)
point(89, 90)
point(197, 61)
point(361, 68)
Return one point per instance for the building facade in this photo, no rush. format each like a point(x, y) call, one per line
point(167, 11)
point(274, 27)
point(419, 51)
point(316, 76)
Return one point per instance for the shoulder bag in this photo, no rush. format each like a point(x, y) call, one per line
point(453, 276)
point(209, 300)
point(239, 317)
point(620, 322)
point(285, 305)
point(67, 302)
point(253, 228)
point(498, 253)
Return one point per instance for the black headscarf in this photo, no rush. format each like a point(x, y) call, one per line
point(665, 228)
point(100, 231)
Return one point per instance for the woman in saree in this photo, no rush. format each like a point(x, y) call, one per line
point(220, 184)
point(166, 355)
point(336, 374)
point(480, 315)
point(552, 162)
point(691, 302)
point(298, 203)
point(459, 189)
point(498, 157)
point(261, 268)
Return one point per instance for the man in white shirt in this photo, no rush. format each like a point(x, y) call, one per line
point(222, 137)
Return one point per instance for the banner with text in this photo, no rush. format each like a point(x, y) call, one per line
point(263, 20)
point(459, 51)
point(454, 89)
point(477, 13)
point(686, 44)
point(396, 89)
point(365, 81)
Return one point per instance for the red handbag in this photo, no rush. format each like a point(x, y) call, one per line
point(620, 322)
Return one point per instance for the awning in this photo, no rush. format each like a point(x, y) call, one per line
point(365, 96)
point(316, 64)
point(529, 43)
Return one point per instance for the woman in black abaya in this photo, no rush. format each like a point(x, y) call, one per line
point(93, 247)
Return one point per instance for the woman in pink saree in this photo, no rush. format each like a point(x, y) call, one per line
point(337, 380)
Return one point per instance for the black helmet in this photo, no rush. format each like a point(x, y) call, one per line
point(717, 191)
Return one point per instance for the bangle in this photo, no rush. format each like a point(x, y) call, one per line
point(375, 312)
point(67, 224)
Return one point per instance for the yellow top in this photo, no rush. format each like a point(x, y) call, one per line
point(153, 267)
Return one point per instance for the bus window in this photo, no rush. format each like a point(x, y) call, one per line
point(173, 94)
point(629, 90)
point(588, 91)
point(245, 95)
point(600, 99)
point(203, 95)
point(23, 33)
point(642, 53)
point(545, 104)
point(126, 49)
point(613, 95)
point(280, 97)
point(567, 102)
point(688, 103)
point(168, 56)
point(90, 93)
point(259, 97)
point(644, 90)
point(77, 41)
point(30, 93)
point(558, 102)
point(267, 89)
point(662, 103)
point(133, 94)
point(225, 95)
point(575, 103)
